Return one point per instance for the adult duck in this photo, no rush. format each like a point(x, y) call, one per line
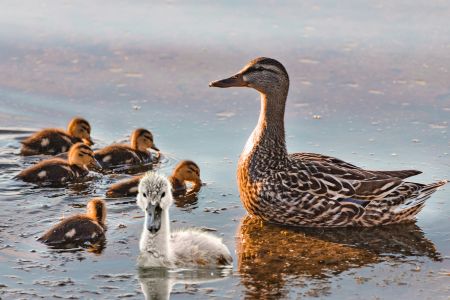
point(308, 189)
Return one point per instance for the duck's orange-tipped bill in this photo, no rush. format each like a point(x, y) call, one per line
point(234, 81)
point(88, 142)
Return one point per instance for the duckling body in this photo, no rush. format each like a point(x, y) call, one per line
point(161, 248)
point(184, 171)
point(59, 171)
point(53, 141)
point(79, 229)
point(134, 154)
point(307, 189)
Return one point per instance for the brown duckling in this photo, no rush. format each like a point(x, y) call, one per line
point(81, 228)
point(58, 171)
point(184, 171)
point(134, 154)
point(54, 141)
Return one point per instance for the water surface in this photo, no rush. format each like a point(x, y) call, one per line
point(370, 84)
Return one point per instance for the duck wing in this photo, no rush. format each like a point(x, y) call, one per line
point(116, 155)
point(75, 229)
point(306, 156)
point(47, 141)
point(322, 178)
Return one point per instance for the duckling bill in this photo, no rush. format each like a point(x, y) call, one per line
point(134, 154)
point(185, 171)
point(79, 229)
point(53, 141)
point(59, 171)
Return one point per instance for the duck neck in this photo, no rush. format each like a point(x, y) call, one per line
point(268, 137)
point(157, 244)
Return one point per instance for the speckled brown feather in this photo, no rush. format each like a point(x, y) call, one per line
point(86, 229)
point(124, 188)
point(57, 171)
point(121, 155)
point(59, 141)
point(307, 189)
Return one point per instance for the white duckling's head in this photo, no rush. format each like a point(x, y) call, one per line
point(265, 75)
point(153, 198)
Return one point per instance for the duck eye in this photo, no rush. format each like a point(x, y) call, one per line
point(163, 194)
point(144, 194)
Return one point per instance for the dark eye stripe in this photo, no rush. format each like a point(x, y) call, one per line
point(194, 170)
point(259, 69)
point(86, 153)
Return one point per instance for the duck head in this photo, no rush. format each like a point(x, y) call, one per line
point(80, 128)
point(262, 74)
point(82, 155)
point(142, 139)
point(154, 197)
point(189, 171)
point(96, 210)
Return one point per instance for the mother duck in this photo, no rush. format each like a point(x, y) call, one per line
point(308, 189)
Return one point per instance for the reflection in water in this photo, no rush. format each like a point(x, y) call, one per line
point(157, 283)
point(269, 255)
point(96, 248)
point(186, 201)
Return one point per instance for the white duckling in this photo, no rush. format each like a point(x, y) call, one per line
point(184, 248)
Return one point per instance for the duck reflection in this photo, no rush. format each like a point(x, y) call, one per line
point(187, 201)
point(157, 283)
point(268, 255)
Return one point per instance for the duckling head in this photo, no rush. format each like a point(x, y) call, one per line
point(188, 170)
point(82, 155)
point(142, 139)
point(96, 210)
point(154, 197)
point(80, 128)
point(265, 75)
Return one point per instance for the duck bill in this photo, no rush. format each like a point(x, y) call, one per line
point(154, 148)
point(153, 218)
point(233, 81)
point(88, 141)
point(95, 164)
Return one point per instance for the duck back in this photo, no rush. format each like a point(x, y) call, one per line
point(48, 141)
point(78, 229)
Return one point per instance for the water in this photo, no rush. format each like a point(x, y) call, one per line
point(369, 84)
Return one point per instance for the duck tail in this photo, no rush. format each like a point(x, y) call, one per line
point(413, 206)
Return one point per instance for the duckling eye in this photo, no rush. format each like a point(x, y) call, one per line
point(163, 194)
point(80, 155)
point(144, 194)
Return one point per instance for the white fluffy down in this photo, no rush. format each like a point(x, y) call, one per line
point(193, 247)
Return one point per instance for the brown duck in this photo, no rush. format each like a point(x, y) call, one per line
point(60, 171)
point(134, 154)
point(184, 171)
point(79, 229)
point(308, 189)
point(53, 141)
